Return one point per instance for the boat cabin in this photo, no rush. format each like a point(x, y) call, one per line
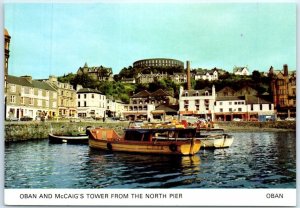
point(150, 135)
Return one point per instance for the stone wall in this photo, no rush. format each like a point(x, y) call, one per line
point(246, 125)
point(21, 131)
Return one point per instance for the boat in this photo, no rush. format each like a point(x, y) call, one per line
point(212, 140)
point(76, 139)
point(165, 141)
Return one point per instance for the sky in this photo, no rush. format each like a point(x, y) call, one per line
point(57, 39)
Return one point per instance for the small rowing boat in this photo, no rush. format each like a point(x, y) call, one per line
point(77, 139)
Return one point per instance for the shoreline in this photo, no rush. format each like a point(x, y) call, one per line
point(22, 131)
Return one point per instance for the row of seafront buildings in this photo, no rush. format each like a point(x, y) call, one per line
point(49, 98)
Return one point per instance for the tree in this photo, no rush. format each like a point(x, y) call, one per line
point(256, 76)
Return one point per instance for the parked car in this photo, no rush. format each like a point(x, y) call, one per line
point(290, 119)
point(237, 119)
point(13, 119)
point(26, 118)
point(122, 119)
point(253, 119)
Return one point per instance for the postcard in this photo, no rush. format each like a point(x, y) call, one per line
point(149, 103)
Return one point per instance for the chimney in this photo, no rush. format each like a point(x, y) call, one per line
point(285, 70)
point(188, 75)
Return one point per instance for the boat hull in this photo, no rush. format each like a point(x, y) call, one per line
point(217, 141)
point(59, 139)
point(167, 148)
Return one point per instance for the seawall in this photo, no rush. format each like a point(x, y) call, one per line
point(22, 131)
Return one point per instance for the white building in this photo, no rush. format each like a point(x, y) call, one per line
point(209, 75)
point(91, 103)
point(228, 108)
point(241, 71)
point(115, 108)
point(243, 108)
point(198, 103)
point(138, 111)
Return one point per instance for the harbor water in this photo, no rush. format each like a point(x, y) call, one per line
point(255, 160)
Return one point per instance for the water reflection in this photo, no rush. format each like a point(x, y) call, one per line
point(140, 171)
point(255, 160)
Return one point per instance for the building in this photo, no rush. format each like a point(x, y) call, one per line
point(114, 108)
point(30, 98)
point(243, 104)
point(283, 85)
point(6, 50)
point(138, 111)
point(156, 98)
point(150, 78)
point(243, 108)
point(209, 75)
point(153, 77)
point(99, 73)
point(179, 78)
point(66, 101)
point(158, 62)
point(228, 108)
point(241, 71)
point(198, 103)
point(128, 80)
point(91, 103)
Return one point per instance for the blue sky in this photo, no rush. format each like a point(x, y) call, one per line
point(59, 38)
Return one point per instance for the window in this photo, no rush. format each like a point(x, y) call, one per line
point(281, 101)
point(260, 106)
point(235, 103)
point(270, 106)
point(40, 93)
point(47, 93)
point(40, 103)
point(47, 103)
point(251, 107)
point(31, 101)
point(240, 109)
point(230, 109)
point(54, 104)
point(197, 107)
point(221, 109)
point(78, 96)
point(221, 103)
point(92, 95)
point(13, 88)
point(31, 91)
point(84, 96)
point(22, 100)
point(12, 99)
point(84, 103)
point(78, 104)
point(230, 103)
point(54, 95)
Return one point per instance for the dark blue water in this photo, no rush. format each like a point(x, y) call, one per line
point(255, 160)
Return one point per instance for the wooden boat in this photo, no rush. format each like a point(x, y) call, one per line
point(78, 139)
point(169, 141)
